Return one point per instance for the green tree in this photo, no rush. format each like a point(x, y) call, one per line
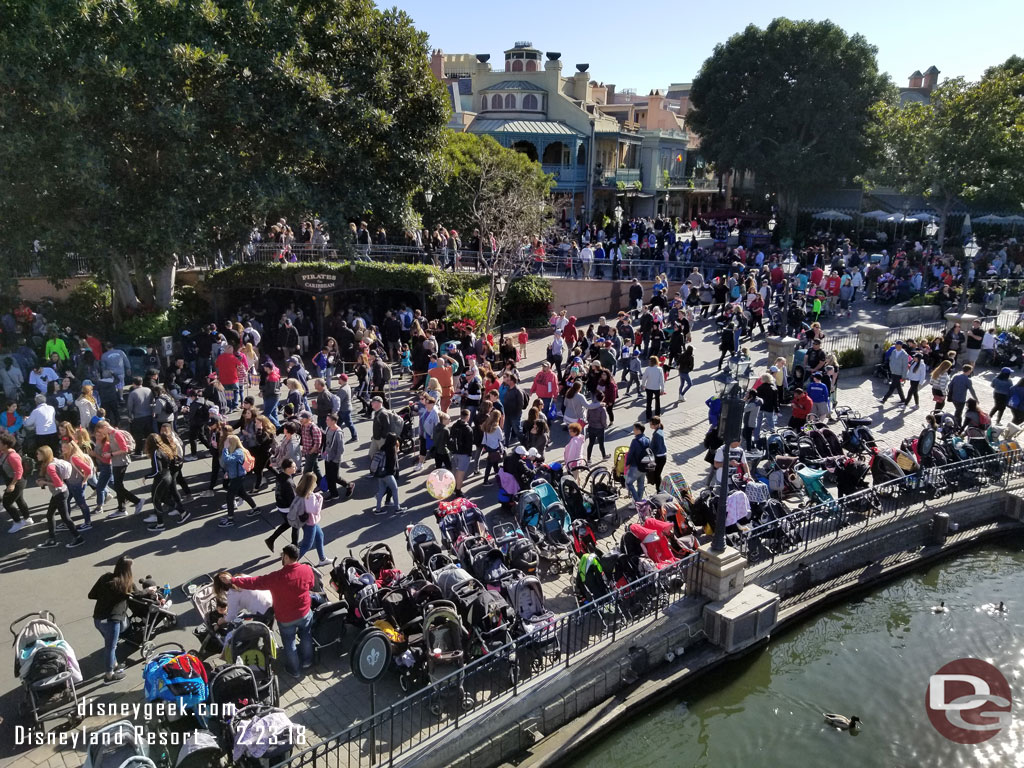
point(135, 131)
point(500, 193)
point(791, 103)
point(966, 143)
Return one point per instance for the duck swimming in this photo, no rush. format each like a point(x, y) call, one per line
point(842, 722)
point(940, 608)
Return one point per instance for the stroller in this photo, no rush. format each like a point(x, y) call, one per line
point(535, 625)
point(653, 543)
point(604, 494)
point(547, 525)
point(176, 677)
point(199, 749)
point(262, 736)
point(379, 561)
point(47, 668)
point(406, 442)
point(145, 619)
point(422, 546)
point(487, 616)
point(253, 645)
point(209, 636)
point(813, 484)
point(850, 482)
point(487, 563)
point(459, 518)
point(581, 506)
point(118, 745)
point(664, 508)
point(234, 685)
point(438, 652)
point(519, 550)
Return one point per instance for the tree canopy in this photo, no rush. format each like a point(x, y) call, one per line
point(790, 102)
point(135, 130)
point(966, 143)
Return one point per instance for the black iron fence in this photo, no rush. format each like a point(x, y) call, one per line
point(799, 530)
point(916, 331)
point(407, 725)
point(840, 342)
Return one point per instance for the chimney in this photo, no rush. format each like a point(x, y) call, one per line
point(931, 78)
point(553, 64)
point(580, 81)
point(915, 79)
point(655, 101)
point(481, 62)
point(437, 63)
point(610, 88)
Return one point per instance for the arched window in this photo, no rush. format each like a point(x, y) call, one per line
point(531, 65)
point(496, 101)
point(510, 101)
point(517, 65)
point(530, 102)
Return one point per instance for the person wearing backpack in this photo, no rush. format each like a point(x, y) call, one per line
point(636, 462)
point(81, 470)
point(284, 495)
point(306, 508)
point(380, 376)
point(114, 449)
point(12, 475)
point(54, 474)
point(386, 476)
point(163, 407)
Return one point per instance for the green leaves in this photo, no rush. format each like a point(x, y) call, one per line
point(790, 102)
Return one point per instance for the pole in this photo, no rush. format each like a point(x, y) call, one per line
point(589, 201)
point(729, 424)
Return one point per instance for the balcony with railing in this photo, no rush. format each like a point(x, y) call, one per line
point(566, 175)
point(687, 182)
point(625, 175)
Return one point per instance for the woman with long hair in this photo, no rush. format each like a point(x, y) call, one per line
point(87, 406)
point(492, 441)
point(257, 603)
point(233, 461)
point(168, 460)
point(939, 383)
point(82, 468)
point(313, 503)
point(110, 613)
point(52, 475)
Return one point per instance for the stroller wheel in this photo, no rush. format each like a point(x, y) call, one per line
point(75, 719)
point(536, 666)
point(435, 709)
point(605, 526)
point(404, 682)
point(147, 649)
point(467, 702)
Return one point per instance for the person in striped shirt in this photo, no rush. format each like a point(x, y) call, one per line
point(53, 474)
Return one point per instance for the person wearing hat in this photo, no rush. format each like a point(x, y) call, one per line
point(1001, 386)
point(899, 361)
point(917, 374)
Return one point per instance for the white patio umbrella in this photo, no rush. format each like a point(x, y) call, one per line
point(965, 228)
point(877, 215)
point(831, 216)
point(993, 219)
point(927, 218)
point(899, 217)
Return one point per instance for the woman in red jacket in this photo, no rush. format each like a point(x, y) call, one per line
point(545, 385)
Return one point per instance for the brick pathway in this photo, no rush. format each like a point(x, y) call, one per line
point(328, 699)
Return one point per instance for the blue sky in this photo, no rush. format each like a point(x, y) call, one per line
point(651, 43)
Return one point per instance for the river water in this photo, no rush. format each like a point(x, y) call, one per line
point(870, 657)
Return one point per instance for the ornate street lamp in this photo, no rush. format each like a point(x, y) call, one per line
point(731, 387)
point(970, 251)
point(772, 223)
point(428, 196)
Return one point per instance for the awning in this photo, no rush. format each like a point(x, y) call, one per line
point(538, 127)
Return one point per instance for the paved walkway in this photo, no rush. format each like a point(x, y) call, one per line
point(328, 699)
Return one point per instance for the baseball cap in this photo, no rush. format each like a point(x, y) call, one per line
point(214, 412)
point(773, 369)
point(87, 383)
point(305, 415)
point(520, 451)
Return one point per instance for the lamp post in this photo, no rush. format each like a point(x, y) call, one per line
point(970, 251)
point(731, 388)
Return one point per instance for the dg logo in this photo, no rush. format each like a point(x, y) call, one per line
point(968, 701)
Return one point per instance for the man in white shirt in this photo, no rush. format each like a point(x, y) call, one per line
point(40, 378)
point(43, 420)
point(587, 260)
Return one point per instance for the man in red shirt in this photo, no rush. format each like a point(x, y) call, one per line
point(289, 591)
point(227, 364)
point(832, 284)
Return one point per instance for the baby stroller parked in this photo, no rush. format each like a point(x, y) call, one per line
point(118, 745)
point(535, 625)
point(146, 617)
point(519, 550)
point(47, 668)
point(486, 615)
point(174, 676)
point(253, 645)
point(262, 736)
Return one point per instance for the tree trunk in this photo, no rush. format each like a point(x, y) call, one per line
point(163, 283)
point(947, 203)
point(789, 207)
point(125, 299)
point(143, 283)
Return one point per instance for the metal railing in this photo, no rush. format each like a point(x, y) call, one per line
point(409, 724)
point(916, 331)
point(798, 530)
point(840, 342)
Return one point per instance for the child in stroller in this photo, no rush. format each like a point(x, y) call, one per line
point(47, 667)
point(148, 613)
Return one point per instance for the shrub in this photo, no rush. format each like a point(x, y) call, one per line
point(850, 358)
point(471, 305)
point(88, 302)
point(146, 329)
point(527, 302)
point(923, 300)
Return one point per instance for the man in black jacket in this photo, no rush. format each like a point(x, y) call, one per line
point(392, 332)
point(380, 375)
point(381, 421)
point(636, 296)
point(460, 442)
point(288, 339)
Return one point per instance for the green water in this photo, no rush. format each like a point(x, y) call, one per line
point(871, 657)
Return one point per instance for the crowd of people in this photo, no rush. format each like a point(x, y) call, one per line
point(265, 406)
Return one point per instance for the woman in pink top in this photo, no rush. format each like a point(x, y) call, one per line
point(313, 501)
point(52, 475)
